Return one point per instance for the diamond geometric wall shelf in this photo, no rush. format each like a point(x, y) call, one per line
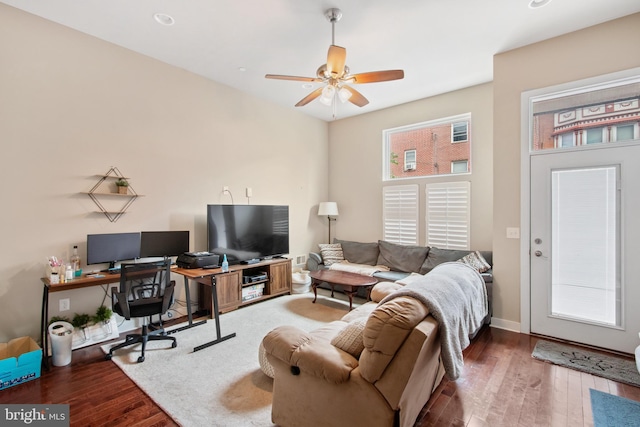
point(101, 195)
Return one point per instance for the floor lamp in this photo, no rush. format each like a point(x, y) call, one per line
point(328, 209)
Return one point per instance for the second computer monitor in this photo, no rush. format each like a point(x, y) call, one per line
point(163, 243)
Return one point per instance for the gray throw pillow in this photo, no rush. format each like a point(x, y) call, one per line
point(401, 257)
point(438, 256)
point(359, 253)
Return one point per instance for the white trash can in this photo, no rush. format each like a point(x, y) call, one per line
point(301, 282)
point(61, 338)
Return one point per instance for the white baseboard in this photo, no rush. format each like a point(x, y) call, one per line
point(505, 324)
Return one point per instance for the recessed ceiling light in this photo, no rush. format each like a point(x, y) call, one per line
point(164, 19)
point(535, 4)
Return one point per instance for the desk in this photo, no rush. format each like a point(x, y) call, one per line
point(76, 283)
point(205, 277)
point(86, 282)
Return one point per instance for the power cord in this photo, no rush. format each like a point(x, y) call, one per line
point(229, 192)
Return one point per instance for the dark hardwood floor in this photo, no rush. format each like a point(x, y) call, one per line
point(502, 385)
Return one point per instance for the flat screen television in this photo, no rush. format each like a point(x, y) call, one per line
point(112, 248)
point(248, 233)
point(163, 243)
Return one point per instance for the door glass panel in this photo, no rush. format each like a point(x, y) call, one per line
point(585, 245)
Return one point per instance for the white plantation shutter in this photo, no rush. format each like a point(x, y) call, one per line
point(448, 215)
point(400, 214)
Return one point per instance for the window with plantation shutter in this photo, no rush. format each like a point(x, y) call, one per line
point(400, 214)
point(448, 215)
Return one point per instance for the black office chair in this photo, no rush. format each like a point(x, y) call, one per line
point(145, 289)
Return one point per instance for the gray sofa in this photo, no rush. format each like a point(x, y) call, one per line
point(402, 260)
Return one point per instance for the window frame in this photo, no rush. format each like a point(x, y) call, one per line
point(614, 132)
point(410, 165)
point(590, 131)
point(453, 133)
point(454, 162)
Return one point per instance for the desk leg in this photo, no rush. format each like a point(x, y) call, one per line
point(187, 294)
point(216, 316)
point(44, 334)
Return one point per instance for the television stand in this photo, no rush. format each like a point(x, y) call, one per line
point(230, 286)
point(251, 261)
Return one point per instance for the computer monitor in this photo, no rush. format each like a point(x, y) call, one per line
point(163, 243)
point(112, 248)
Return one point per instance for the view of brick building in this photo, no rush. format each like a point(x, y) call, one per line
point(439, 149)
point(605, 122)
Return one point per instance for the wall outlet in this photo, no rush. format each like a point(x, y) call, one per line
point(225, 189)
point(65, 304)
point(249, 192)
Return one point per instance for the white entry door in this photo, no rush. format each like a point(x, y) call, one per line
point(585, 246)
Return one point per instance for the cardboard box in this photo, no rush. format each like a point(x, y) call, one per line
point(20, 361)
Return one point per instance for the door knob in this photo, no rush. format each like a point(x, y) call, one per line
point(538, 253)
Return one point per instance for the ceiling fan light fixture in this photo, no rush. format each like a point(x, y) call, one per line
point(327, 95)
point(344, 94)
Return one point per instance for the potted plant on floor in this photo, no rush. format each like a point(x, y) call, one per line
point(81, 321)
point(123, 186)
point(103, 318)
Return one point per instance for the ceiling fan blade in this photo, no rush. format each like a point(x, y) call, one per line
point(377, 76)
point(356, 97)
point(336, 59)
point(307, 99)
point(294, 78)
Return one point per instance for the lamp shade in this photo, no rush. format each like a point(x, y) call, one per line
point(328, 209)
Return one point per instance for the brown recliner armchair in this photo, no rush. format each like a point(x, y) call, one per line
point(317, 383)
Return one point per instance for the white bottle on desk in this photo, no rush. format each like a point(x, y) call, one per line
point(225, 264)
point(69, 273)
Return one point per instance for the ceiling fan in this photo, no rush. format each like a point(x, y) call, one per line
point(336, 75)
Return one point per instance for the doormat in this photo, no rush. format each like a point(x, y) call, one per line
point(613, 411)
point(610, 367)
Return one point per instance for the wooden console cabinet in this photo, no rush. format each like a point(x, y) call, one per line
point(230, 285)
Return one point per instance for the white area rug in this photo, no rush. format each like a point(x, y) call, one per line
point(223, 385)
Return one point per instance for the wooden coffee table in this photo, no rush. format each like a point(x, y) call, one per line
point(350, 282)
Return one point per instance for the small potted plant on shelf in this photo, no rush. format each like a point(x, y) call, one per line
point(123, 186)
point(81, 321)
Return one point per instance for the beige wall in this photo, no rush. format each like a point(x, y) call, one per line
point(602, 49)
point(355, 160)
point(72, 106)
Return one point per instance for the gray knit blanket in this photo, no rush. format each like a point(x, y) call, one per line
point(456, 297)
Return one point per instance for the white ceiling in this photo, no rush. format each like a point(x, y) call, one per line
point(442, 45)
